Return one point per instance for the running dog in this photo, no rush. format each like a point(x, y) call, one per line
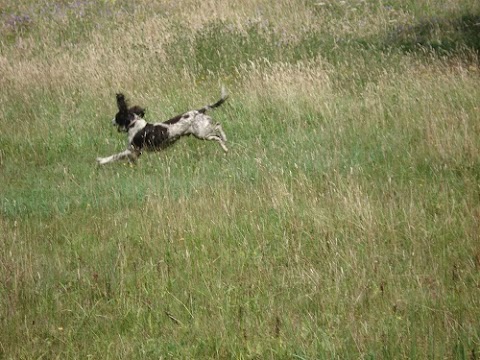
point(152, 137)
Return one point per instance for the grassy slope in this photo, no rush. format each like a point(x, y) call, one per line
point(342, 224)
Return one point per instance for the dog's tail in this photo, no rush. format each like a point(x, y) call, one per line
point(223, 97)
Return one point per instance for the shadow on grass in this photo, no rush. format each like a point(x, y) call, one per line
point(448, 35)
point(223, 46)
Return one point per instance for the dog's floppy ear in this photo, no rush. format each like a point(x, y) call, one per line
point(138, 111)
point(122, 103)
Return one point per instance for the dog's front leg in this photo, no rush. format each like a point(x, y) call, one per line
point(131, 154)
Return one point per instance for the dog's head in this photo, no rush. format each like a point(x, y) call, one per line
point(125, 115)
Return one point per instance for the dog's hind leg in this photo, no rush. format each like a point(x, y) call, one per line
point(220, 131)
point(203, 128)
point(219, 140)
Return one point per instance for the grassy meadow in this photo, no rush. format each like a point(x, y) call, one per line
point(344, 223)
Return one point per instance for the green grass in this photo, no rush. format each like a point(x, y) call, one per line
point(342, 224)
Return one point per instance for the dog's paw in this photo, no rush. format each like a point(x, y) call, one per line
point(101, 161)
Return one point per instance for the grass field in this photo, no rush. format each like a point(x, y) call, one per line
point(344, 223)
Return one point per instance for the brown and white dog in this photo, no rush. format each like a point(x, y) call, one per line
point(152, 137)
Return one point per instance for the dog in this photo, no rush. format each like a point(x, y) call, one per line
point(152, 137)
